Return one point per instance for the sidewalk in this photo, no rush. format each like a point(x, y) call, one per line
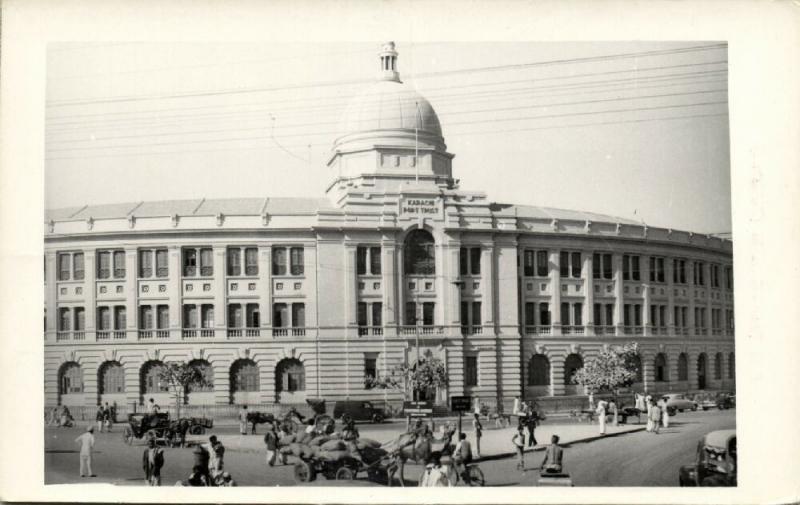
point(495, 443)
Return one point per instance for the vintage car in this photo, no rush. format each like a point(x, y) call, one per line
point(706, 401)
point(679, 402)
point(715, 463)
point(358, 410)
point(726, 401)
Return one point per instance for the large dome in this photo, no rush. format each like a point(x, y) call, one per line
point(389, 113)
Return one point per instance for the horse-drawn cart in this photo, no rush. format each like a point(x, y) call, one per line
point(163, 430)
point(345, 467)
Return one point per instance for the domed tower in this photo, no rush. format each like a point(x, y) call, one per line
point(389, 138)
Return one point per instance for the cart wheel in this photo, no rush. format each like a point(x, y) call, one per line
point(476, 477)
point(304, 472)
point(127, 435)
point(345, 473)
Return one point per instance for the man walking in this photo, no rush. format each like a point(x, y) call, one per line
point(152, 461)
point(654, 416)
point(519, 444)
point(530, 424)
point(98, 417)
point(87, 444)
point(243, 420)
point(271, 441)
point(107, 418)
point(478, 427)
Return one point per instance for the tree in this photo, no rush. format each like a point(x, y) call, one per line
point(179, 377)
point(427, 373)
point(613, 368)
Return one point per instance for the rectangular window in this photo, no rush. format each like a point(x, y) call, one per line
point(626, 267)
point(278, 261)
point(234, 261)
point(475, 261)
point(145, 317)
point(427, 313)
point(653, 315)
point(77, 266)
point(683, 271)
point(64, 319)
point(361, 260)
point(637, 315)
point(465, 314)
point(470, 371)
point(660, 267)
point(361, 314)
point(119, 264)
point(280, 315)
point(653, 272)
point(120, 318)
point(528, 264)
point(476, 313)
point(251, 261)
point(684, 316)
point(542, 268)
point(576, 265)
point(635, 270)
point(145, 263)
point(298, 315)
point(463, 261)
point(371, 365)
point(298, 263)
point(544, 314)
point(162, 267)
point(63, 267)
point(207, 311)
point(598, 314)
point(375, 260)
point(80, 319)
point(564, 314)
point(608, 271)
point(609, 314)
point(626, 314)
point(411, 313)
point(563, 264)
point(662, 316)
point(253, 316)
point(163, 317)
point(596, 266)
point(577, 314)
point(206, 262)
point(104, 265)
point(377, 314)
point(530, 314)
point(103, 318)
point(235, 315)
point(189, 262)
point(190, 316)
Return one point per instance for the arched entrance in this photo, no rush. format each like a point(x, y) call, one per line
point(661, 368)
point(572, 364)
point(70, 384)
point(701, 371)
point(111, 382)
point(539, 375)
point(683, 367)
point(244, 381)
point(290, 381)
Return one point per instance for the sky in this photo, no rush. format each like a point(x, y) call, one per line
point(637, 130)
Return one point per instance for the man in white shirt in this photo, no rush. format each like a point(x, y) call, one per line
point(87, 443)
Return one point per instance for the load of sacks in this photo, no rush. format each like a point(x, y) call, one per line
point(330, 448)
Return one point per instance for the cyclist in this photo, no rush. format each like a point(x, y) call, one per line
point(462, 456)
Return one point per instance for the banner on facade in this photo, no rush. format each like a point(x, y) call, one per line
point(418, 408)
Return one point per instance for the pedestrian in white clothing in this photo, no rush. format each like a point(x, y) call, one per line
point(664, 413)
point(601, 416)
point(87, 443)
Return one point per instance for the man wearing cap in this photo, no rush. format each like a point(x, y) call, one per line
point(152, 461)
point(87, 443)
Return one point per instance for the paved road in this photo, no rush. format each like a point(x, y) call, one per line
point(638, 459)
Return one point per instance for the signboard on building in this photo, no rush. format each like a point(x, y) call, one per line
point(413, 207)
point(460, 403)
point(417, 408)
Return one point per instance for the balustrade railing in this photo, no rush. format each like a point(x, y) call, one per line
point(605, 330)
point(207, 333)
point(537, 330)
point(118, 334)
point(573, 330)
point(145, 334)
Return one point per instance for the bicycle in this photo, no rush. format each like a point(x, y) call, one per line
point(474, 476)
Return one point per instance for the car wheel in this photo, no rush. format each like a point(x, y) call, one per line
point(694, 408)
point(377, 418)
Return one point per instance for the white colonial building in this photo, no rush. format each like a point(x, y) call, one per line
point(278, 299)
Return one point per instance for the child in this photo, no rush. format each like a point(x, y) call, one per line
point(519, 442)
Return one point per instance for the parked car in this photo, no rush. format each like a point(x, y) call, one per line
point(706, 401)
point(679, 402)
point(726, 401)
point(715, 461)
point(358, 410)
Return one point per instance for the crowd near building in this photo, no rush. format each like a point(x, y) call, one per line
point(282, 299)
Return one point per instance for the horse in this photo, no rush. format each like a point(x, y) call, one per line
point(416, 447)
point(256, 418)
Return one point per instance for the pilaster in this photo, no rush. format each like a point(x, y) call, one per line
point(131, 293)
point(487, 285)
point(220, 292)
point(389, 282)
point(644, 271)
point(616, 262)
point(89, 294)
point(555, 287)
point(588, 289)
point(175, 289)
point(265, 284)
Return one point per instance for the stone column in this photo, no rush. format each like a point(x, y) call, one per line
point(401, 285)
point(588, 290)
point(265, 287)
point(708, 307)
point(310, 283)
point(672, 369)
point(487, 286)
point(389, 285)
point(616, 261)
point(175, 291)
point(692, 369)
point(644, 271)
point(557, 387)
point(50, 295)
point(555, 288)
point(648, 369)
point(452, 287)
point(131, 293)
point(350, 286)
point(220, 290)
point(89, 294)
point(671, 323)
point(222, 379)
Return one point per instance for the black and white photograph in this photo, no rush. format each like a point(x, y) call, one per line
point(333, 252)
point(389, 264)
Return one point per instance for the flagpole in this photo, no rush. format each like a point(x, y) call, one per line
point(416, 141)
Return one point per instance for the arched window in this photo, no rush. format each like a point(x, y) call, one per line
point(204, 367)
point(718, 366)
point(731, 366)
point(683, 367)
point(112, 378)
point(571, 365)
point(151, 382)
point(539, 370)
point(290, 376)
point(660, 365)
point(70, 379)
point(420, 255)
point(244, 376)
point(636, 361)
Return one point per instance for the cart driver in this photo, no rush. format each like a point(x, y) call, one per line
point(350, 437)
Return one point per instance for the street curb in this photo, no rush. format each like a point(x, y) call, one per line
point(540, 447)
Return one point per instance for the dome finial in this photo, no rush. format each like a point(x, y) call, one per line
point(388, 71)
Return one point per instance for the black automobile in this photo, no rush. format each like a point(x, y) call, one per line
point(726, 401)
point(715, 463)
point(358, 410)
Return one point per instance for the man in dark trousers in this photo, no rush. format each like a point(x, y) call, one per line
point(530, 424)
point(152, 461)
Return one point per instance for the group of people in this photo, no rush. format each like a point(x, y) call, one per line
point(656, 411)
point(60, 416)
point(208, 466)
point(106, 417)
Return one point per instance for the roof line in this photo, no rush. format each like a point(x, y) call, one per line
point(134, 208)
point(198, 206)
point(80, 210)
